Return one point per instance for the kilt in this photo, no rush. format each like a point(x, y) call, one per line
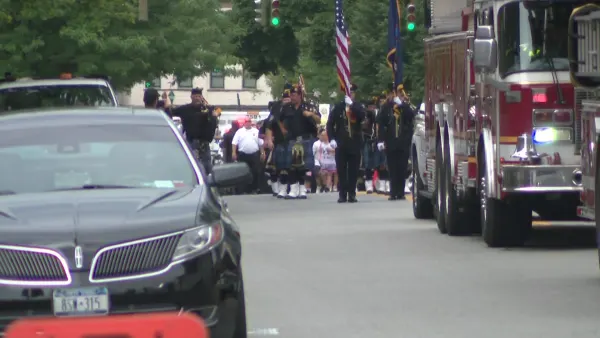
point(380, 160)
point(282, 157)
point(308, 158)
point(369, 156)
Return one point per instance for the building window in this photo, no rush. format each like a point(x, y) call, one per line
point(248, 82)
point(156, 83)
point(217, 79)
point(185, 83)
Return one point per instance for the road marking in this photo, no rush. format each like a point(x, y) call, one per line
point(264, 332)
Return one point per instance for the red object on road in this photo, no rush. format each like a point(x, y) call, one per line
point(164, 325)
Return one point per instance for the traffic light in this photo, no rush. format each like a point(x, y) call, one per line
point(411, 17)
point(258, 10)
point(275, 21)
point(148, 84)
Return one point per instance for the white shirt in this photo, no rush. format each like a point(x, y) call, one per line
point(247, 141)
point(322, 153)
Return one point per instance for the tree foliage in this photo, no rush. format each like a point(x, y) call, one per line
point(263, 50)
point(45, 37)
point(367, 23)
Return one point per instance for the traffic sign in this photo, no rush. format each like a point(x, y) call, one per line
point(172, 96)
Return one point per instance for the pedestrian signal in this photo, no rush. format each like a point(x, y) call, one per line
point(410, 17)
point(275, 21)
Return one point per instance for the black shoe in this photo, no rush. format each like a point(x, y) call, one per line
point(342, 199)
point(352, 199)
point(392, 198)
point(401, 197)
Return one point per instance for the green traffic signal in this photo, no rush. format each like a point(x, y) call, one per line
point(411, 26)
point(275, 21)
point(148, 84)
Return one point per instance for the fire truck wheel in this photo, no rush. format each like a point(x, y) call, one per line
point(455, 220)
point(439, 208)
point(422, 207)
point(507, 224)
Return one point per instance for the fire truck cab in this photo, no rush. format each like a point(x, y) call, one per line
point(500, 136)
point(584, 48)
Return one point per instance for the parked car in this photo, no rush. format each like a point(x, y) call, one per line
point(105, 211)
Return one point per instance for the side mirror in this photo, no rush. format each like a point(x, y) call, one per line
point(486, 49)
point(230, 175)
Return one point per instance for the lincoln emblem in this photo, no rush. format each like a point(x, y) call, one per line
point(78, 257)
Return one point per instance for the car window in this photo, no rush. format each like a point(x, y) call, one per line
point(55, 96)
point(62, 157)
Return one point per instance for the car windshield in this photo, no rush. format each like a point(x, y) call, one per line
point(80, 156)
point(532, 36)
point(21, 98)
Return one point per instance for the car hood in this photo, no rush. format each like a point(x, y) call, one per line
point(96, 218)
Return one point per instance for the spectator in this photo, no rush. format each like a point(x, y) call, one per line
point(227, 139)
point(247, 147)
point(324, 155)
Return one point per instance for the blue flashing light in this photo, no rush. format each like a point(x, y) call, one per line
point(544, 135)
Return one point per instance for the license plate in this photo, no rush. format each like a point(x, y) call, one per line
point(80, 301)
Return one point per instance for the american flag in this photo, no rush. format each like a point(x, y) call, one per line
point(342, 43)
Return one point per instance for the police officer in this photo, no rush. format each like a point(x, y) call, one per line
point(395, 128)
point(385, 104)
point(344, 128)
point(199, 124)
point(300, 119)
point(368, 162)
point(275, 139)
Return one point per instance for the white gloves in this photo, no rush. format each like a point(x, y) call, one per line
point(397, 100)
point(380, 146)
point(333, 144)
point(348, 100)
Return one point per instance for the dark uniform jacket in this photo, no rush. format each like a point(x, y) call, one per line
point(346, 128)
point(198, 122)
point(296, 124)
point(273, 123)
point(395, 125)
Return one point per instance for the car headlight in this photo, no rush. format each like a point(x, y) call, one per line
point(198, 240)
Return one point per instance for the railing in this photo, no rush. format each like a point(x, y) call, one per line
point(584, 46)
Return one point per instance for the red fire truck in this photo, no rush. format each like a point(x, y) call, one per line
point(584, 48)
point(500, 137)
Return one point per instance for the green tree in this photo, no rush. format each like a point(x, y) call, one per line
point(45, 37)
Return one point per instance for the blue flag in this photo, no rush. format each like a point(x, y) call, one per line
point(394, 55)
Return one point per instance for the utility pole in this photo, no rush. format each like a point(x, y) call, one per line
point(143, 10)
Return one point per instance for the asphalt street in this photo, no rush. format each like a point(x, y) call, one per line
point(315, 268)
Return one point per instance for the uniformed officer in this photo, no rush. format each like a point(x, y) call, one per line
point(275, 139)
point(344, 127)
point(300, 119)
point(385, 104)
point(395, 128)
point(368, 163)
point(199, 123)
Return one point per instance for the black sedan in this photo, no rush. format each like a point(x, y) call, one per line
point(105, 211)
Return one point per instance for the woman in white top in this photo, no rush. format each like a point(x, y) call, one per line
point(324, 156)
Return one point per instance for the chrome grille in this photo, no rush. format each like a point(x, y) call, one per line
point(580, 96)
point(134, 259)
point(32, 266)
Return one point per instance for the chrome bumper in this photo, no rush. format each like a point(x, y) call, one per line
point(541, 178)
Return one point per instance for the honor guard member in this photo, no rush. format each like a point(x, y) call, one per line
point(395, 127)
point(275, 139)
point(300, 119)
point(368, 163)
point(199, 124)
point(344, 127)
point(386, 102)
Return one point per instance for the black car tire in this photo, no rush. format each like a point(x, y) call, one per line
point(241, 330)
